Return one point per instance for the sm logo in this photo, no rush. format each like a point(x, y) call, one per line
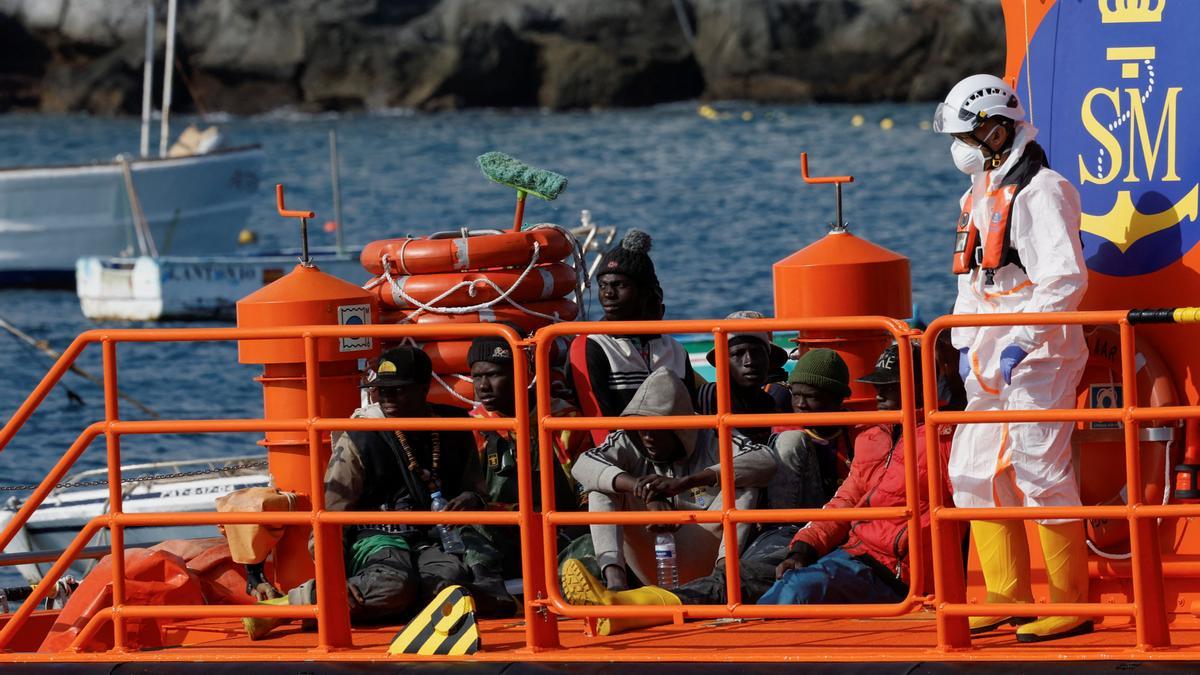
point(1121, 93)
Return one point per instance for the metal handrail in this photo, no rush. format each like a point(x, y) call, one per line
point(543, 598)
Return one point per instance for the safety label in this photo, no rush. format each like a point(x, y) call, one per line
point(354, 315)
point(1105, 396)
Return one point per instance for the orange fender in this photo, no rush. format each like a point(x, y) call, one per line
point(451, 252)
point(151, 578)
point(544, 282)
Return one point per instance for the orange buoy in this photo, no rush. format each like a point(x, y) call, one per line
point(451, 252)
point(564, 310)
point(843, 275)
point(466, 289)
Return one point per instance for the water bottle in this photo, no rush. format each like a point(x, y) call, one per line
point(664, 557)
point(451, 541)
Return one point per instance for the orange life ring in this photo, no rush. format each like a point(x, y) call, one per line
point(448, 356)
point(543, 282)
point(452, 252)
point(1102, 444)
point(565, 310)
point(439, 394)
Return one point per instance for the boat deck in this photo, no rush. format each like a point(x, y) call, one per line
point(705, 644)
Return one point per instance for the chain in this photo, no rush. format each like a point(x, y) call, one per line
point(257, 464)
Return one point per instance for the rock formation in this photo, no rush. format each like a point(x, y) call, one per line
point(247, 56)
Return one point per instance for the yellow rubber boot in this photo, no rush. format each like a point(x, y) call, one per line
point(258, 628)
point(1066, 568)
point(581, 588)
point(1004, 559)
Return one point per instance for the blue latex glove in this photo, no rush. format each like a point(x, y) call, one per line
point(964, 363)
point(1010, 356)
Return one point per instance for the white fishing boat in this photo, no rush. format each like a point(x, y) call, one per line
point(146, 288)
point(50, 216)
point(193, 198)
point(188, 485)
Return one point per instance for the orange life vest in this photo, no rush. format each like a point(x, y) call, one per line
point(996, 251)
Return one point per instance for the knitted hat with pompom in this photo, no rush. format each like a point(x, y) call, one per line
point(632, 258)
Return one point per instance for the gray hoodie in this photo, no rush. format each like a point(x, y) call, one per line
point(664, 394)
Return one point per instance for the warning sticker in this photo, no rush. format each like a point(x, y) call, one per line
point(354, 315)
point(1105, 396)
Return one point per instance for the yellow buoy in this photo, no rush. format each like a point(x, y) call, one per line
point(747, 116)
point(857, 121)
point(886, 123)
point(708, 112)
point(247, 236)
point(924, 125)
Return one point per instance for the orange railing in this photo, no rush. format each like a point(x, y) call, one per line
point(543, 600)
point(724, 421)
point(1148, 607)
point(331, 611)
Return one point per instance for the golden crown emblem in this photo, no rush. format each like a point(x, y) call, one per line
point(1131, 11)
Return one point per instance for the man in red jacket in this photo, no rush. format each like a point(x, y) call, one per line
point(864, 561)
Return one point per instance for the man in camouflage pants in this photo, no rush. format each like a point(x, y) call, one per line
point(394, 570)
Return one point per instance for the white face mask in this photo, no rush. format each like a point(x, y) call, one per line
point(967, 158)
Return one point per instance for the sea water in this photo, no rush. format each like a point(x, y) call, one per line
point(722, 198)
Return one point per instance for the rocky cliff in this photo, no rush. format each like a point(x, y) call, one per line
point(246, 56)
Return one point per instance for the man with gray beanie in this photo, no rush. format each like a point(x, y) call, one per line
point(819, 382)
point(664, 470)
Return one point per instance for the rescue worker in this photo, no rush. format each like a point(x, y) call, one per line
point(821, 381)
point(491, 363)
point(394, 570)
point(864, 561)
point(752, 358)
point(1017, 250)
point(664, 470)
point(608, 369)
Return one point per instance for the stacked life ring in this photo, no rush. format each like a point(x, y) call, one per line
point(528, 279)
point(1102, 445)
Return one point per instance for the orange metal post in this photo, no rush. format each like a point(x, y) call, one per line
point(541, 629)
point(948, 583)
point(333, 608)
point(116, 531)
point(1151, 618)
point(733, 577)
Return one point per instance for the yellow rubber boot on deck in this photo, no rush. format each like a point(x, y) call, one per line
point(1004, 560)
point(581, 588)
point(258, 628)
point(1065, 551)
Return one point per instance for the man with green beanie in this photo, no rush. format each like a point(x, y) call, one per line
point(819, 382)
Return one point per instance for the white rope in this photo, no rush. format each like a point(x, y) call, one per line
point(1166, 499)
point(432, 305)
point(453, 393)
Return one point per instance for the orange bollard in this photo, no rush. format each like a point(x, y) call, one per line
point(306, 296)
point(843, 275)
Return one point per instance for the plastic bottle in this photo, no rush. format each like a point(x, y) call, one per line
point(451, 541)
point(666, 561)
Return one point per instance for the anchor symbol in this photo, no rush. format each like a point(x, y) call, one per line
point(1124, 224)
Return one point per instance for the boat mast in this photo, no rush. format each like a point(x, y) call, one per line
point(168, 73)
point(147, 80)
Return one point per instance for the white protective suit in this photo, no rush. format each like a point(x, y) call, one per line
point(1022, 464)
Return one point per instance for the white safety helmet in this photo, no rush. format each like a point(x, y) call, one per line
point(972, 101)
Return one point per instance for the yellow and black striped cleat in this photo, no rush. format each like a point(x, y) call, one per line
point(446, 626)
